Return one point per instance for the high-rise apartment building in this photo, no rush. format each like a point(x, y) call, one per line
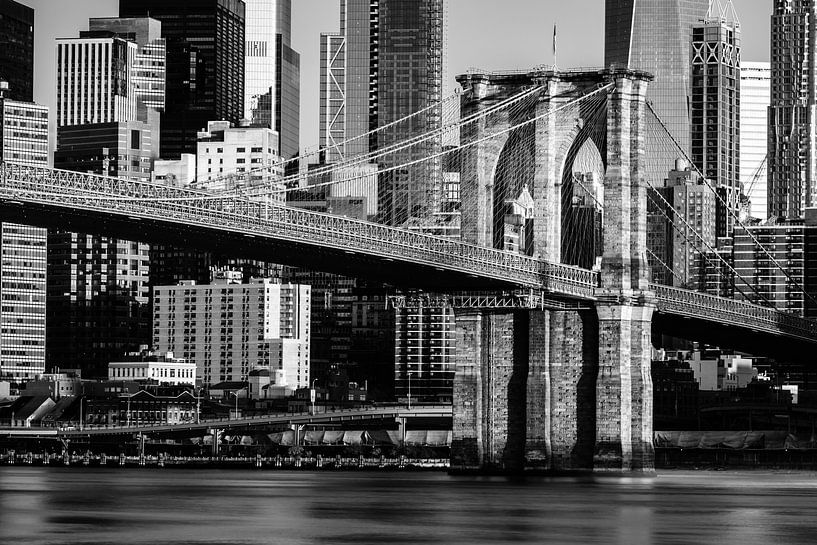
point(17, 50)
point(205, 65)
point(654, 36)
point(388, 56)
point(228, 328)
point(272, 84)
point(792, 182)
point(23, 139)
point(715, 65)
point(755, 97)
point(424, 352)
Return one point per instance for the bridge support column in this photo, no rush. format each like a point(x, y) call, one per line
point(625, 305)
point(563, 362)
point(489, 391)
point(624, 389)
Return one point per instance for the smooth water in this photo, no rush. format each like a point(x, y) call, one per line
point(62, 506)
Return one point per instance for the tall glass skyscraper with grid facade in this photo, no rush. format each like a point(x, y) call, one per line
point(654, 35)
point(389, 54)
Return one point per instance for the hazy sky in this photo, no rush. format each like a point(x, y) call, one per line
point(489, 34)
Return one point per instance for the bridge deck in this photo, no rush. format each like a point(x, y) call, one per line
point(165, 206)
point(395, 249)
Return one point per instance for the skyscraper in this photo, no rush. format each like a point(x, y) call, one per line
point(792, 181)
point(654, 35)
point(23, 139)
point(272, 84)
point(109, 82)
point(715, 65)
point(17, 50)
point(755, 97)
point(385, 64)
point(205, 65)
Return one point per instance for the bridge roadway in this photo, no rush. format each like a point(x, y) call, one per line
point(321, 418)
point(241, 227)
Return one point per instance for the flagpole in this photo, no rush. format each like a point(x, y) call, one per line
point(555, 63)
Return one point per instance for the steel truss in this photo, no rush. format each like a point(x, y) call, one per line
point(237, 214)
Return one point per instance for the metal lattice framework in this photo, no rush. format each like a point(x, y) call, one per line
point(702, 306)
point(163, 204)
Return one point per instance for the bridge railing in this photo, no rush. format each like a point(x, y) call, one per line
point(265, 218)
point(696, 304)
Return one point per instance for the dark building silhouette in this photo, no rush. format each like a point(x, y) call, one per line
point(205, 65)
point(17, 50)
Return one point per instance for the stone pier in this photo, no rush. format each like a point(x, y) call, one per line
point(564, 390)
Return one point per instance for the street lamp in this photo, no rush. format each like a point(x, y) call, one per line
point(80, 413)
point(312, 395)
point(236, 402)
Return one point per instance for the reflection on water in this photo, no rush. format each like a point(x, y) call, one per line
point(43, 505)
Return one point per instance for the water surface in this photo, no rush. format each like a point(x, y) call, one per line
point(141, 506)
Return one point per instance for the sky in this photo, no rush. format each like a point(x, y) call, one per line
point(487, 34)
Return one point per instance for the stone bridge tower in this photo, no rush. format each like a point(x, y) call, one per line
point(559, 389)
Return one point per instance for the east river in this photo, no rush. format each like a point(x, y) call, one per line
point(64, 506)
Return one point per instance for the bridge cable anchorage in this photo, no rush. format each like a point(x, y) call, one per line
point(729, 209)
point(690, 229)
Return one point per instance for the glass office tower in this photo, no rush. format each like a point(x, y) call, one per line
point(654, 35)
point(272, 83)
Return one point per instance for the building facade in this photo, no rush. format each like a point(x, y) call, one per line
point(158, 368)
point(93, 91)
point(17, 51)
point(149, 70)
point(23, 139)
point(272, 85)
point(755, 97)
point(98, 287)
point(792, 179)
point(228, 328)
point(715, 137)
point(424, 352)
point(792, 243)
point(234, 158)
point(205, 65)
